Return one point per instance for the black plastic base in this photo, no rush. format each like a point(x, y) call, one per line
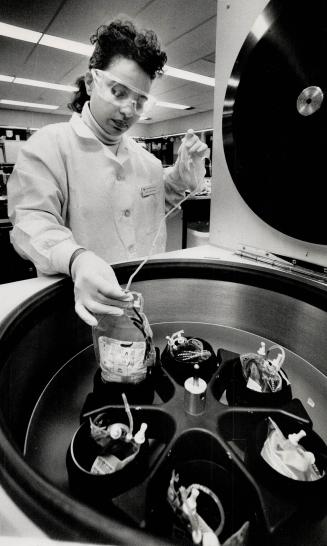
point(213, 449)
point(230, 378)
point(155, 389)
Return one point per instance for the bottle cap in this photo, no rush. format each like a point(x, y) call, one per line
point(193, 387)
point(294, 438)
point(115, 431)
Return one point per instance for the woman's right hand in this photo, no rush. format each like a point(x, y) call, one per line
point(95, 286)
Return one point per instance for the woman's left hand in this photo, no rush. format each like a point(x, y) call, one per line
point(193, 146)
point(190, 161)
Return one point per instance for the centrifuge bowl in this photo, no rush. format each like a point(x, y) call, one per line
point(229, 301)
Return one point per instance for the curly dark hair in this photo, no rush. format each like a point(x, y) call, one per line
point(121, 38)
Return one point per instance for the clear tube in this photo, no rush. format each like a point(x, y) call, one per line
point(129, 414)
point(191, 194)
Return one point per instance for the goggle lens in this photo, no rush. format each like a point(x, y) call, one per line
point(113, 90)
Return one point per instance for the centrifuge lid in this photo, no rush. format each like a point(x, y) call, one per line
point(274, 119)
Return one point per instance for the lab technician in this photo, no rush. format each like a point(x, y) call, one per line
point(82, 194)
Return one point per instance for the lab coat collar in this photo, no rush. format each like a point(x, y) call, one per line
point(84, 131)
point(80, 128)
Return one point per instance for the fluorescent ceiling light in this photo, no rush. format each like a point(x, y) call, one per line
point(85, 49)
point(186, 75)
point(37, 83)
point(47, 85)
point(6, 78)
point(66, 45)
point(27, 35)
point(19, 33)
point(172, 105)
point(12, 127)
point(29, 104)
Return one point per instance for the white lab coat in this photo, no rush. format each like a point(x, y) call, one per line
point(69, 190)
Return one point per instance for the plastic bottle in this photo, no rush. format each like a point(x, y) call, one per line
point(125, 354)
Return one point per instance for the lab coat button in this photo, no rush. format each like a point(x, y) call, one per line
point(127, 213)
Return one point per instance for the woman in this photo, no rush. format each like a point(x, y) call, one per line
point(83, 195)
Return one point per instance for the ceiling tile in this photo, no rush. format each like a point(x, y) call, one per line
point(53, 65)
point(172, 18)
point(26, 93)
point(78, 20)
point(13, 55)
point(192, 46)
point(202, 66)
point(34, 15)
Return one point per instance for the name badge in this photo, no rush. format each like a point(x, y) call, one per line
point(149, 190)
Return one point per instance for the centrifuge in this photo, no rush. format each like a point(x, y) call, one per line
point(260, 280)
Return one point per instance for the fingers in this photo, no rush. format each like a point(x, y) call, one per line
point(85, 312)
point(198, 148)
point(101, 308)
point(96, 289)
point(107, 289)
point(193, 144)
point(108, 300)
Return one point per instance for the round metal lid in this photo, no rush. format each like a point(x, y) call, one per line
point(275, 119)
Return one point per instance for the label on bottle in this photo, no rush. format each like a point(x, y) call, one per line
point(102, 465)
point(122, 361)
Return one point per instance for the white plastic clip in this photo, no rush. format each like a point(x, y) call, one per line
point(139, 437)
point(176, 339)
point(294, 438)
point(262, 350)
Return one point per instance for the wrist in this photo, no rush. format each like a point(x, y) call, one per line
point(73, 257)
point(174, 172)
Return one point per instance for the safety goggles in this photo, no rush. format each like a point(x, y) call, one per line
point(119, 93)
